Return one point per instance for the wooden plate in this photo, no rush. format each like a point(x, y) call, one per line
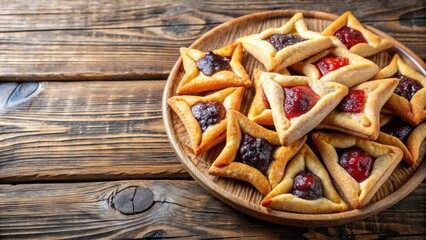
point(242, 196)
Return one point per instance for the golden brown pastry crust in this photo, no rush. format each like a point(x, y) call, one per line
point(281, 197)
point(274, 60)
point(226, 166)
point(386, 159)
point(366, 123)
point(375, 44)
point(201, 142)
point(359, 69)
point(413, 111)
point(290, 130)
point(194, 81)
point(259, 112)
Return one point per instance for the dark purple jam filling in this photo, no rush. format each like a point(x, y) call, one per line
point(256, 152)
point(208, 113)
point(407, 86)
point(280, 41)
point(212, 63)
point(398, 128)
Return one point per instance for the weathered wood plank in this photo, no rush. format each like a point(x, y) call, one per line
point(87, 130)
point(176, 209)
point(62, 14)
point(140, 39)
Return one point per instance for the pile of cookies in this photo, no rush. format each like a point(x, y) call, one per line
point(322, 113)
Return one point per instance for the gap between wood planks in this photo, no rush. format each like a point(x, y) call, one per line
point(100, 76)
point(407, 20)
point(213, 24)
point(105, 179)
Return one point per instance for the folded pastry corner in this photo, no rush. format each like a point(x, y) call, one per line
point(205, 117)
point(359, 112)
point(277, 48)
point(305, 188)
point(253, 154)
point(358, 166)
point(213, 70)
point(298, 103)
point(260, 111)
point(346, 31)
point(409, 98)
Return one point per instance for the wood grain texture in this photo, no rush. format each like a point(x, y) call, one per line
point(87, 130)
point(241, 195)
point(137, 39)
point(180, 209)
point(96, 131)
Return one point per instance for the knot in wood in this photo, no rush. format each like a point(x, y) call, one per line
point(6, 89)
point(182, 26)
point(133, 200)
point(21, 92)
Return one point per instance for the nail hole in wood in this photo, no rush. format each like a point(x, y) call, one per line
point(133, 200)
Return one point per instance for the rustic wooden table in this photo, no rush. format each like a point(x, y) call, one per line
point(83, 150)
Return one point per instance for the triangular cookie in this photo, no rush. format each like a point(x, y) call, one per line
point(322, 199)
point(407, 137)
point(213, 117)
point(355, 37)
point(293, 43)
point(357, 153)
point(315, 100)
point(227, 60)
point(359, 112)
point(338, 65)
point(260, 111)
point(250, 142)
point(411, 110)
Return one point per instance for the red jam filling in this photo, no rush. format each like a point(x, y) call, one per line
point(307, 186)
point(256, 152)
point(353, 102)
point(349, 36)
point(407, 86)
point(330, 63)
point(280, 41)
point(356, 162)
point(212, 63)
point(208, 113)
point(398, 128)
point(299, 100)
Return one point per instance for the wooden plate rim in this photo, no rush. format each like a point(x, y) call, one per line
point(281, 217)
